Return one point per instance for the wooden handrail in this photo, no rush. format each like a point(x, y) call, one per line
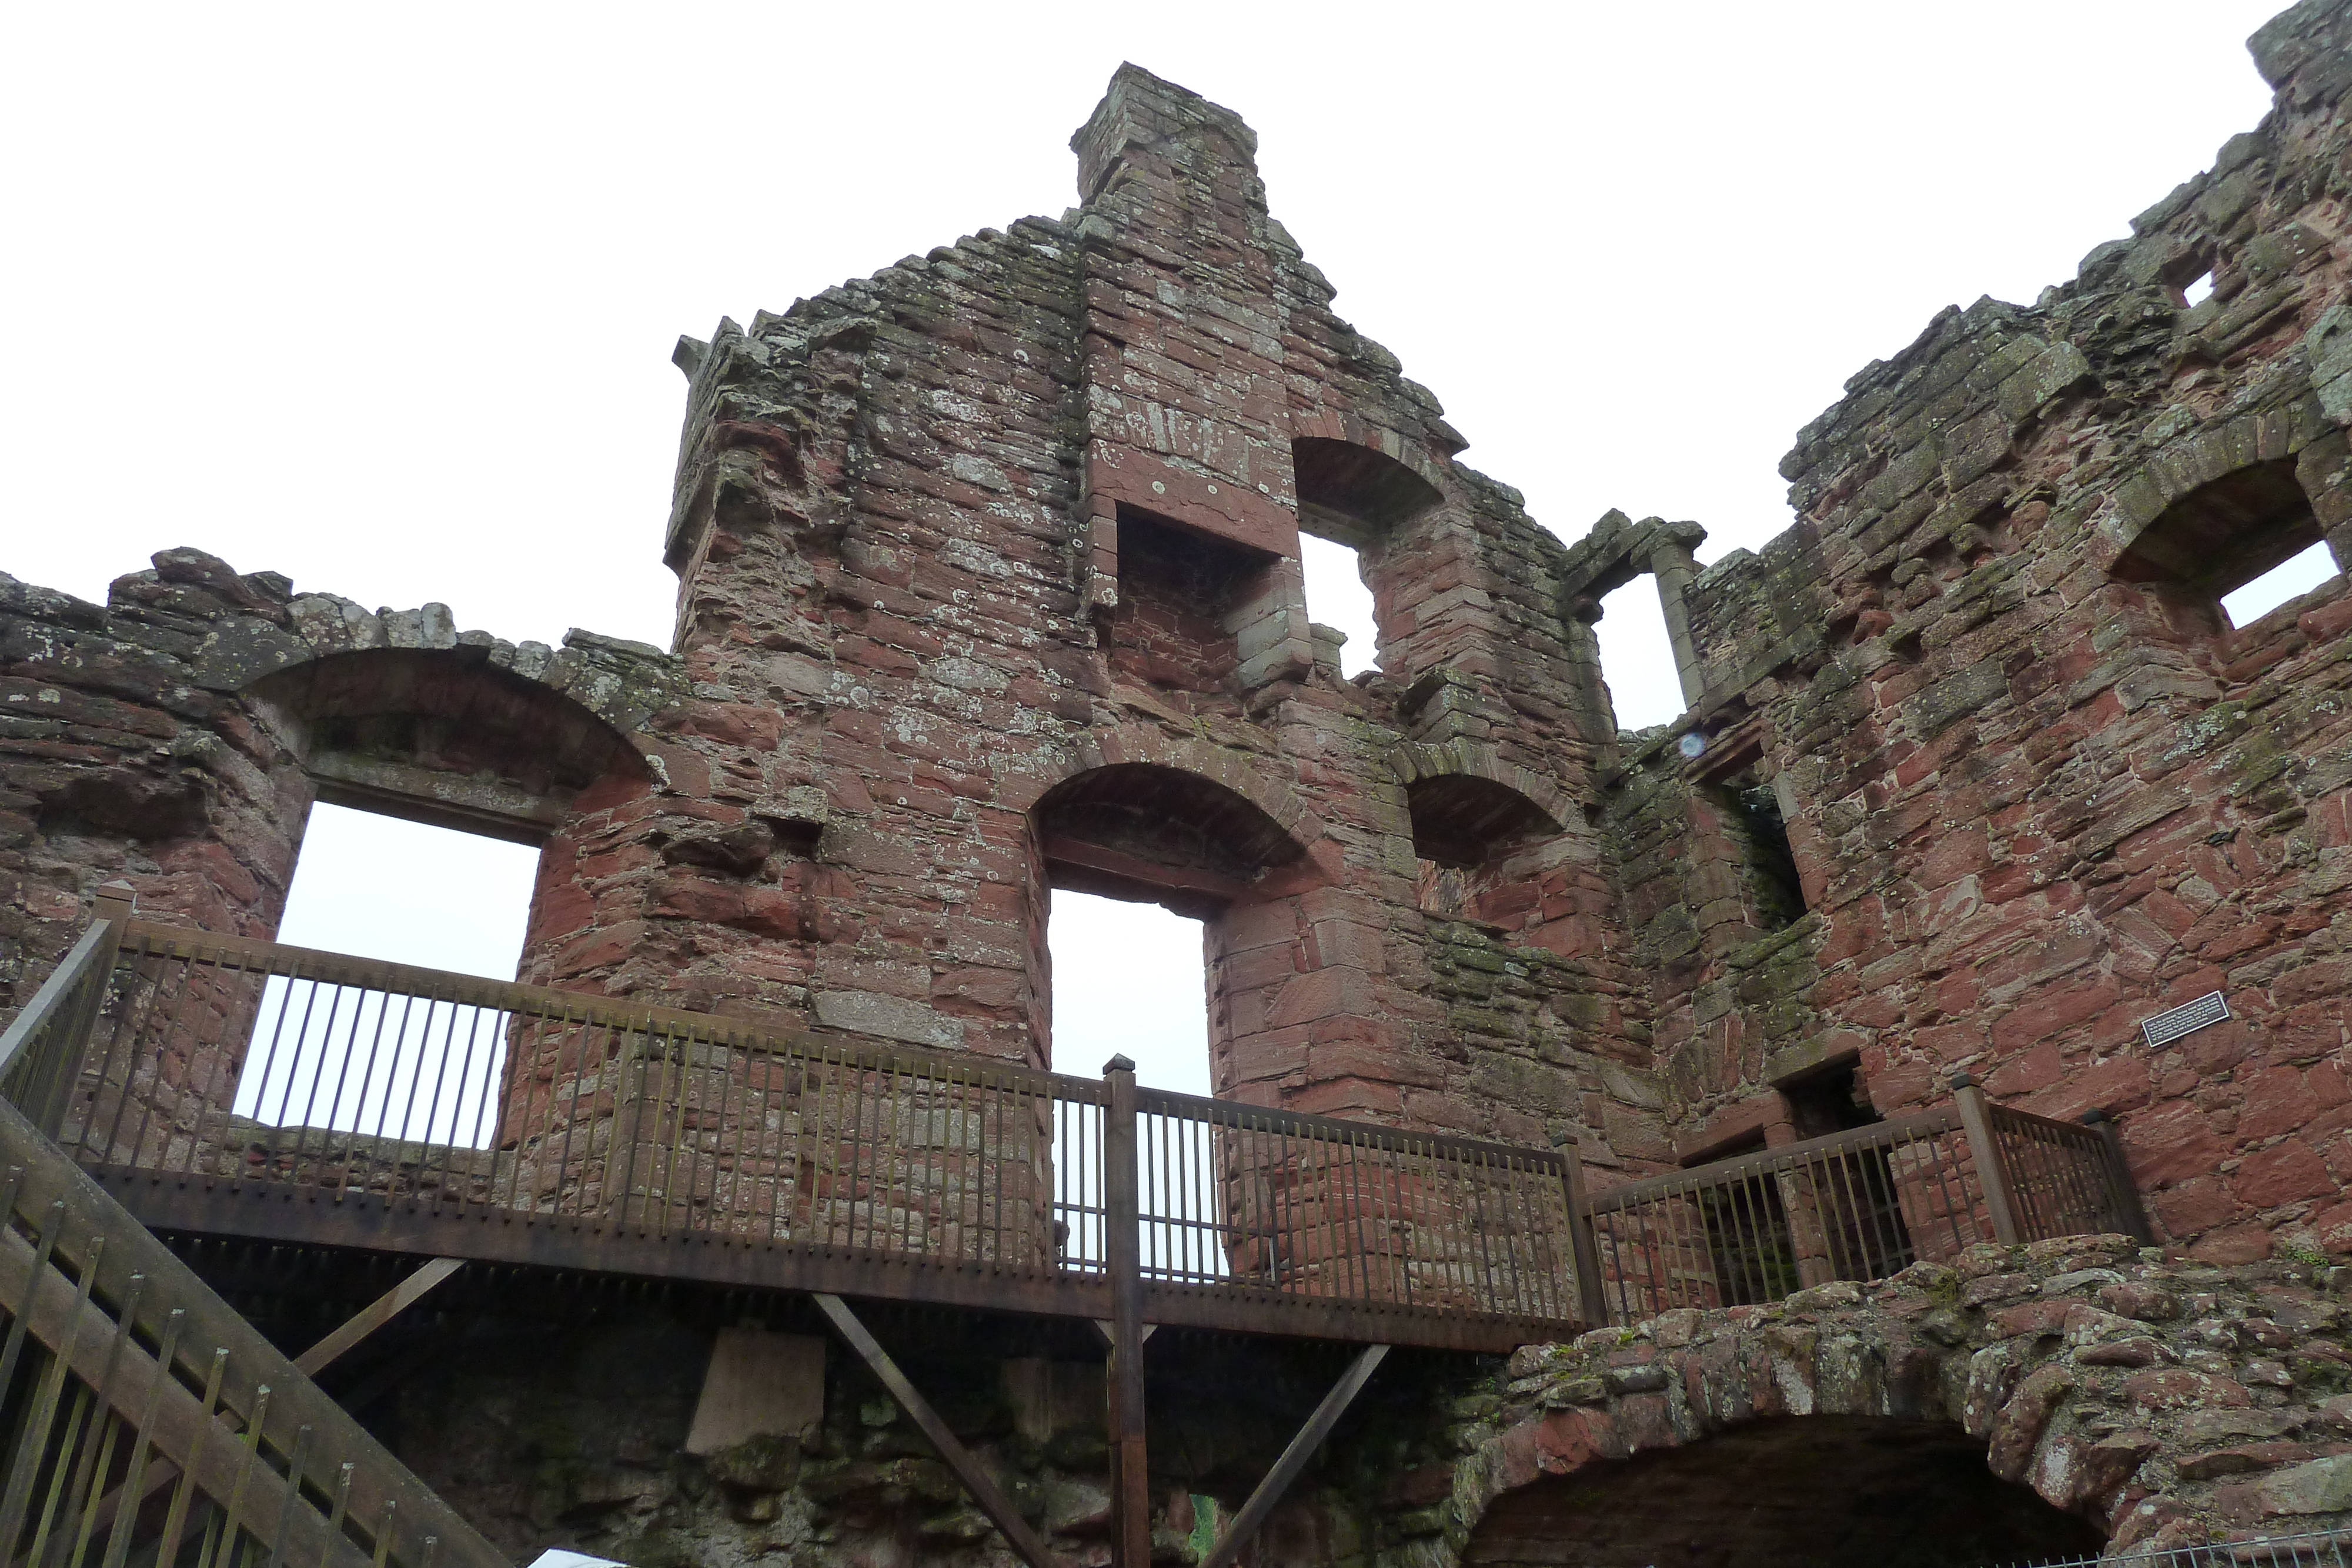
point(253, 955)
point(1878, 1134)
point(80, 1225)
point(1234, 1113)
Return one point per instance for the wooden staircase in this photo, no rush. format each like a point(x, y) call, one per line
point(145, 1424)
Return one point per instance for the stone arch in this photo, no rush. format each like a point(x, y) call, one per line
point(1356, 482)
point(2080, 1368)
point(2297, 439)
point(1283, 955)
point(399, 712)
point(1308, 839)
point(1467, 804)
point(1337, 429)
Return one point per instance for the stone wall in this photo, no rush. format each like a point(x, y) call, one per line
point(989, 588)
point(2163, 1402)
point(2037, 788)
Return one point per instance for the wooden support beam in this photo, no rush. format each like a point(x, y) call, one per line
point(1294, 1457)
point(377, 1313)
point(960, 1459)
point(1110, 1331)
point(161, 1472)
point(1130, 1478)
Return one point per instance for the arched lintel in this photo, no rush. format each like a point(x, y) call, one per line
point(1466, 801)
point(401, 714)
point(1307, 856)
point(1412, 762)
point(2299, 430)
point(1349, 470)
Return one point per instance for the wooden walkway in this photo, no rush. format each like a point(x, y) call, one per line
point(233, 1088)
point(216, 1087)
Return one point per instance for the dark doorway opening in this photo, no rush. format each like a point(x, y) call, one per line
point(1814, 1491)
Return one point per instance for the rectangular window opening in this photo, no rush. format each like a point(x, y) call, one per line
point(1338, 597)
point(2291, 579)
point(358, 1061)
point(1637, 658)
point(1129, 979)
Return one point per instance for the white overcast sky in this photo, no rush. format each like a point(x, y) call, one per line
point(383, 298)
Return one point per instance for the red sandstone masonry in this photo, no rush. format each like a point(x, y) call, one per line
point(988, 586)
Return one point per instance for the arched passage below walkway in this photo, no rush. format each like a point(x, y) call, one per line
point(2081, 1370)
point(1818, 1492)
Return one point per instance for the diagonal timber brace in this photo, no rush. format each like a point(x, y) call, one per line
point(1294, 1457)
point(960, 1459)
point(161, 1472)
point(377, 1313)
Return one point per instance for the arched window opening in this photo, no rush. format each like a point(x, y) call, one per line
point(1637, 656)
point(2228, 535)
point(1143, 835)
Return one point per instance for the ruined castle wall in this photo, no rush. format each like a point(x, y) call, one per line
point(989, 588)
point(2038, 787)
point(989, 584)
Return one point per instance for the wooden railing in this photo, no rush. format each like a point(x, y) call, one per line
point(196, 1073)
point(210, 1069)
point(1859, 1205)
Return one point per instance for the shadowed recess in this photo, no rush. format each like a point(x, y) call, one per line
point(1462, 819)
point(440, 736)
point(2227, 533)
point(1341, 482)
point(1814, 1492)
point(1138, 829)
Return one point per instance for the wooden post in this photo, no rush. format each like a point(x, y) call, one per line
point(113, 904)
point(2121, 1189)
point(1584, 1250)
point(1130, 1477)
point(1992, 1176)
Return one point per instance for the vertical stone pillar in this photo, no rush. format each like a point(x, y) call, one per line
point(1673, 566)
point(1600, 723)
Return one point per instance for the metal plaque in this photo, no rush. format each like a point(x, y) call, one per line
point(2187, 1018)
